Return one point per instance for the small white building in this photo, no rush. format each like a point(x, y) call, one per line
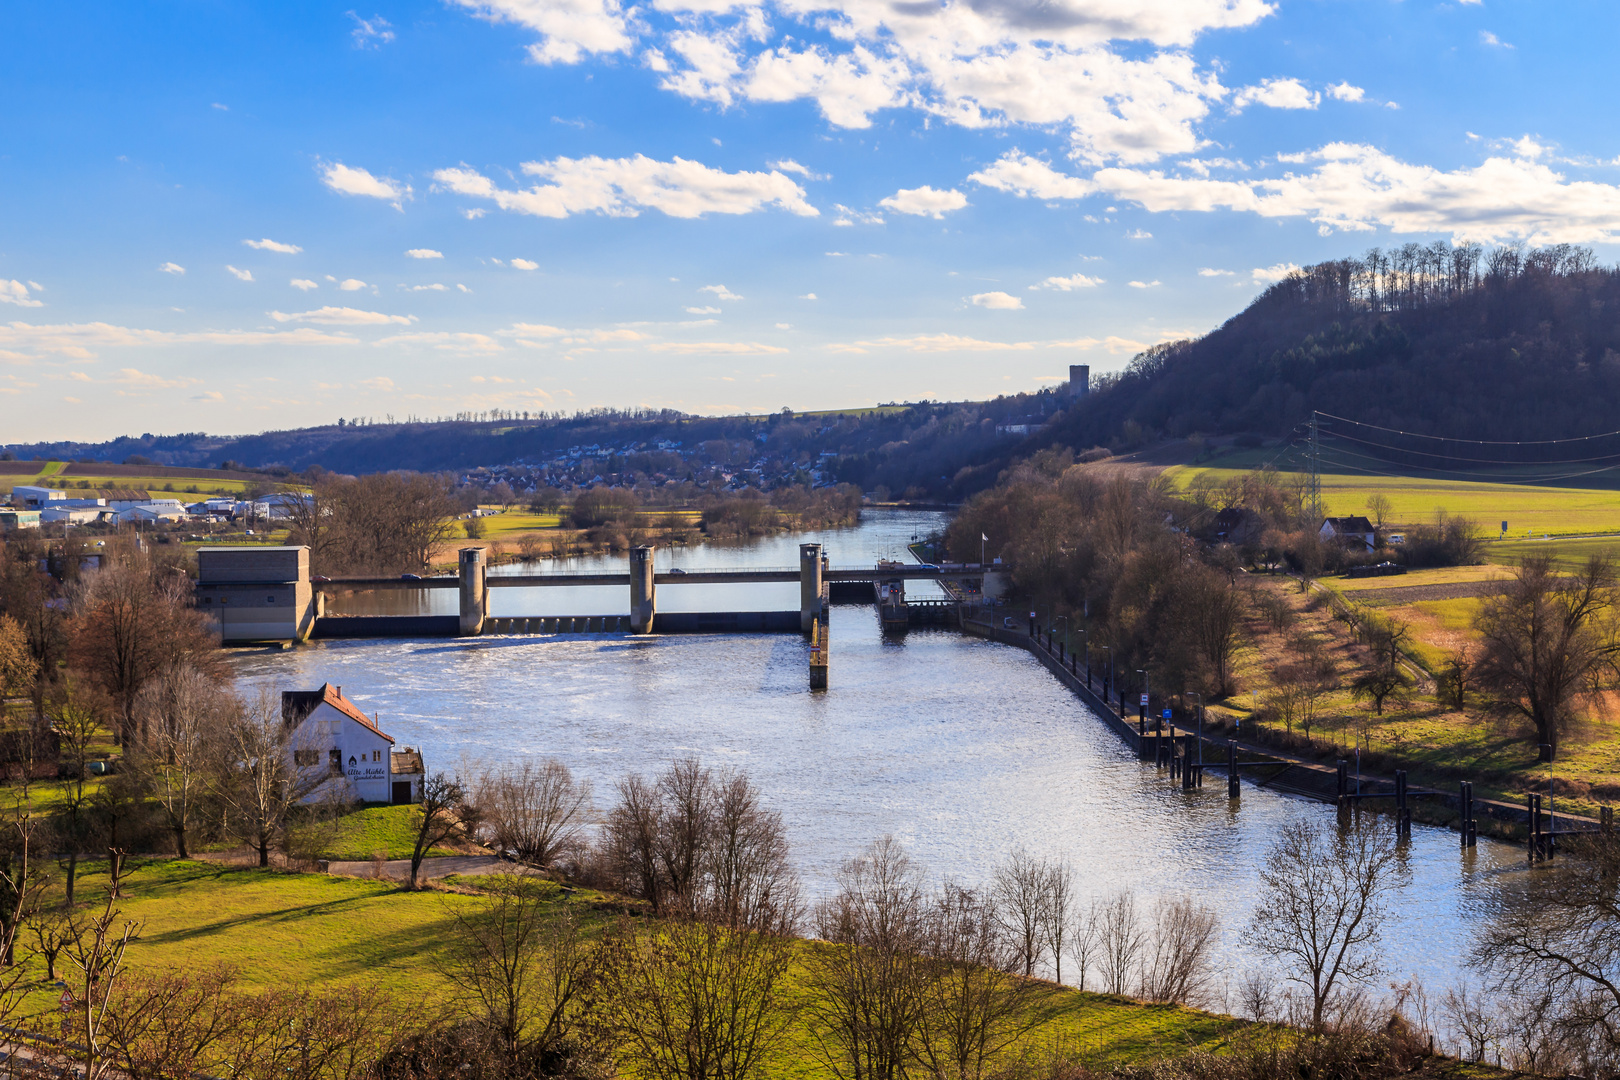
point(1355, 531)
point(332, 736)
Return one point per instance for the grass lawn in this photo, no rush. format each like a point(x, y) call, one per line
point(205, 481)
point(1566, 554)
point(1527, 510)
point(280, 929)
point(386, 830)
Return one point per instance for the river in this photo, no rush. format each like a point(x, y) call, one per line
point(961, 748)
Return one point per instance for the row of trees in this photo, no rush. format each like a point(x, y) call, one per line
point(380, 523)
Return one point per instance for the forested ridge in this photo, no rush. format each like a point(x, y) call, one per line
point(1440, 340)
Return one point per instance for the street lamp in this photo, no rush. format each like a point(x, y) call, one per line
point(1109, 685)
point(1064, 648)
point(1147, 693)
point(1200, 697)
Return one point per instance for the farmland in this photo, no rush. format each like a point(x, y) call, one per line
point(90, 476)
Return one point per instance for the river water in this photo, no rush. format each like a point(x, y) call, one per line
point(961, 748)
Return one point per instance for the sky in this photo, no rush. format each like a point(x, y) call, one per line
point(229, 217)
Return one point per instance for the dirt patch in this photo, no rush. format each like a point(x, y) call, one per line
point(1411, 594)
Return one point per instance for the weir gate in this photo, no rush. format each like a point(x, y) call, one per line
point(257, 594)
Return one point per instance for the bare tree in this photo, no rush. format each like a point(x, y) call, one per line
point(264, 776)
point(170, 1023)
point(1061, 907)
point(867, 982)
point(526, 972)
point(77, 730)
point(696, 999)
point(1178, 964)
point(1022, 901)
point(1383, 678)
point(443, 812)
point(538, 812)
point(178, 755)
point(1120, 940)
point(94, 948)
point(1084, 938)
point(975, 1006)
point(1320, 908)
point(1379, 509)
point(18, 667)
point(748, 878)
point(687, 796)
point(1557, 930)
point(630, 841)
point(1548, 638)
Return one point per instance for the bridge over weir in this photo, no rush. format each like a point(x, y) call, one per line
point(236, 576)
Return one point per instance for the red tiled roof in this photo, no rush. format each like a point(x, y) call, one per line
point(298, 704)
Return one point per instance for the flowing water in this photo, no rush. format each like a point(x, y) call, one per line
point(961, 748)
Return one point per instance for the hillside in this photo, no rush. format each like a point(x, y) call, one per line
point(1440, 341)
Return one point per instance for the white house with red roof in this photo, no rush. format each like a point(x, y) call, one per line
point(331, 733)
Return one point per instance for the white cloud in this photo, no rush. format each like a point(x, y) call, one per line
point(1268, 274)
point(789, 165)
point(1070, 283)
point(525, 264)
point(473, 213)
point(1488, 38)
point(348, 180)
point(1027, 177)
point(377, 382)
point(1358, 188)
point(371, 33)
point(703, 311)
point(784, 326)
point(924, 202)
point(1144, 284)
point(720, 291)
point(1345, 92)
point(446, 342)
point(351, 285)
point(719, 348)
point(1206, 271)
point(462, 288)
point(1279, 94)
point(140, 380)
point(997, 301)
point(927, 343)
point(241, 275)
point(569, 29)
point(343, 316)
point(303, 284)
point(424, 253)
point(435, 287)
point(1138, 234)
point(15, 292)
point(221, 108)
point(172, 268)
point(80, 340)
point(272, 245)
point(622, 187)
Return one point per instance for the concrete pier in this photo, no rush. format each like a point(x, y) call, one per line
point(810, 567)
point(643, 591)
point(474, 591)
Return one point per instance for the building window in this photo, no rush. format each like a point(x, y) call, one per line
point(376, 755)
point(335, 757)
point(305, 758)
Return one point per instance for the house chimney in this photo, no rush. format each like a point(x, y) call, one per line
point(340, 691)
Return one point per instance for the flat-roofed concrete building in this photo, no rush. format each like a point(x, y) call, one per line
point(256, 593)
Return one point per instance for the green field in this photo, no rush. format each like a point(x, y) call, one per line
point(389, 831)
point(282, 929)
point(1538, 511)
point(50, 474)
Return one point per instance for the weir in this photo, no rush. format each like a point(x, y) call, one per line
point(226, 572)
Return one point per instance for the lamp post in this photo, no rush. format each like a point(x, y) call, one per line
point(1200, 698)
point(1147, 694)
point(1064, 648)
point(1109, 685)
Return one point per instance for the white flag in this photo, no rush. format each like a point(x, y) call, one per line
point(983, 537)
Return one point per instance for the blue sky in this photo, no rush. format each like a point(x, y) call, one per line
point(227, 217)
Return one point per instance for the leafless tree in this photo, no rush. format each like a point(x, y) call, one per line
point(695, 999)
point(975, 1006)
point(538, 812)
point(1556, 931)
point(77, 730)
point(1379, 509)
point(1547, 639)
point(1084, 938)
point(867, 981)
point(1061, 907)
point(178, 756)
point(1320, 908)
point(443, 812)
point(1476, 1022)
point(94, 949)
point(748, 879)
point(17, 664)
point(1383, 678)
point(1120, 940)
point(630, 841)
point(264, 776)
point(171, 1023)
point(1257, 996)
point(524, 970)
point(1178, 963)
point(687, 796)
point(1021, 895)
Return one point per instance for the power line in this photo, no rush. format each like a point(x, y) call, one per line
point(1474, 442)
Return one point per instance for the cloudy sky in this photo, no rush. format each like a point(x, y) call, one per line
point(231, 217)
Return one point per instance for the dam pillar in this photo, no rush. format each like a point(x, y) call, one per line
point(474, 591)
point(643, 591)
point(810, 565)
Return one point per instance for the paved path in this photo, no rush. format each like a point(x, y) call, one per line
point(400, 869)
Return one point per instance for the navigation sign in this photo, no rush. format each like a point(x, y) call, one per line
point(1167, 714)
point(1144, 701)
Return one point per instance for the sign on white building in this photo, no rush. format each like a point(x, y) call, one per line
point(332, 735)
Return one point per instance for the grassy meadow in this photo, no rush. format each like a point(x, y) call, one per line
point(278, 929)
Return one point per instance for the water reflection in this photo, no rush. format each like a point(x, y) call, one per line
point(961, 748)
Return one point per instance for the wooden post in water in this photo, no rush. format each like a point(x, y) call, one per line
point(1403, 813)
point(1342, 785)
point(1465, 803)
point(1234, 785)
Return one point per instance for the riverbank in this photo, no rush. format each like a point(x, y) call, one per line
point(1296, 774)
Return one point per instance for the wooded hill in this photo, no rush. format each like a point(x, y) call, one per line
point(1439, 340)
